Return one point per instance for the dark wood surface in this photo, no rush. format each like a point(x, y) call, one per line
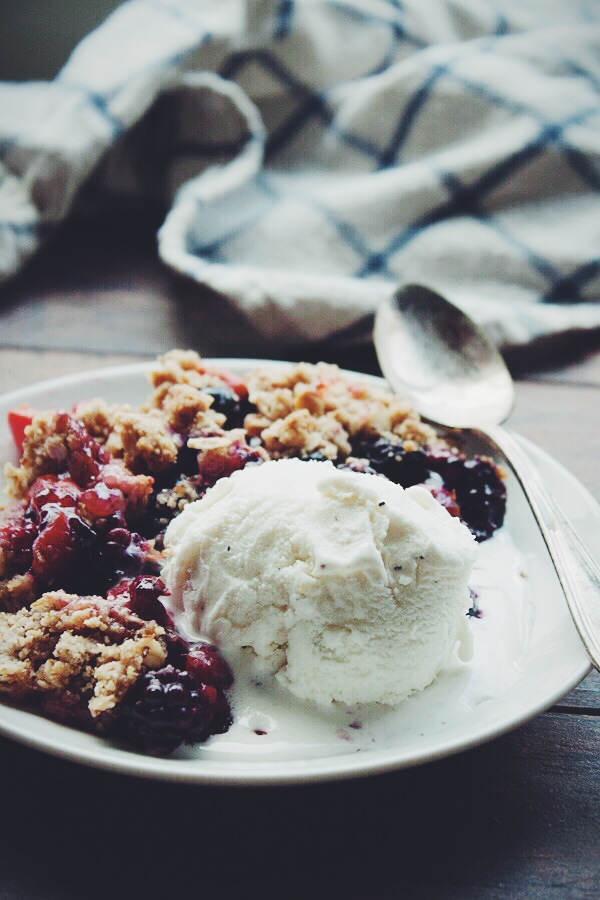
point(517, 817)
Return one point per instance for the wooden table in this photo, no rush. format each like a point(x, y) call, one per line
point(517, 817)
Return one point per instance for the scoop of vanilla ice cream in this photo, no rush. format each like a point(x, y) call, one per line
point(342, 585)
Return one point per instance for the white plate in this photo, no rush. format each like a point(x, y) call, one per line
point(527, 654)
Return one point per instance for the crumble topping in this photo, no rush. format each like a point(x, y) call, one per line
point(83, 646)
point(45, 451)
point(17, 591)
point(303, 408)
point(181, 367)
point(186, 408)
point(100, 417)
point(142, 441)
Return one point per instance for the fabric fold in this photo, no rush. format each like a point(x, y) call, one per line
point(314, 153)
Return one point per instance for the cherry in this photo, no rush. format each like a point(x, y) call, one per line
point(100, 501)
point(212, 466)
point(207, 666)
point(62, 542)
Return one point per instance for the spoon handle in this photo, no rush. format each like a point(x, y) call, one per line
point(577, 571)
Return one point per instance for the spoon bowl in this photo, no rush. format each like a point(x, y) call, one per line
point(435, 356)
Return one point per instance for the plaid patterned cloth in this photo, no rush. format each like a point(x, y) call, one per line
point(313, 153)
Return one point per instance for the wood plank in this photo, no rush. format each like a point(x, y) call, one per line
point(585, 697)
point(564, 420)
point(99, 285)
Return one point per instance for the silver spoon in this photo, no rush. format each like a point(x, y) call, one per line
point(433, 355)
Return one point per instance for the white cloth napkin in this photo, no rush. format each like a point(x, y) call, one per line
point(313, 153)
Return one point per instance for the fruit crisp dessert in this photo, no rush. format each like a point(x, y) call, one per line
point(87, 632)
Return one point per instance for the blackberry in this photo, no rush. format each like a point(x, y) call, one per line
point(187, 460)
point(479, 491)
point(123, 553)
point(471, 488)
point(168, 707)
point(316, 455)
point(389, 458)
point(225, 401)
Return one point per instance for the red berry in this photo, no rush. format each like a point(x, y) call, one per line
point(445, 497)
point(234, 381)
point(100, 501)
point(50, 489)
point(144, 599)
point(18, 420)
point(17, 534)
point(214, 465)
point(207, 666)
point(119, 591)
point(55, 550)
point(85, 455)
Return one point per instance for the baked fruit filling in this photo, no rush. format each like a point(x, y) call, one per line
point(86, 636)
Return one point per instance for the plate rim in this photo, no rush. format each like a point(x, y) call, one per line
point(274, 772)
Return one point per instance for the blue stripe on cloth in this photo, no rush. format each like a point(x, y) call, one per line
point(514, 106)
point(420, 97)
point(577, 69)
point(213, 247)
point(353, 12)
point(346, 231)
point(589, 11)
point(100, 101)
point(539, 263)
point(313, 104)
point(582, 166)
point(375, 264)
point(349, 233)
point(6, 145)
point(408, 117)
point(97, 101)
point(235, 63)
point(395, 4)
point(419, 100)
point(576, 158)
point(28, 229)
point(265, 184)
point(567, 288)
point(20, 228)
point(502, 27)
point(468, 199)
point(316, 106)
point(284, 16)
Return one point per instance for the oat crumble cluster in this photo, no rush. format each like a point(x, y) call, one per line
point(85, 635)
